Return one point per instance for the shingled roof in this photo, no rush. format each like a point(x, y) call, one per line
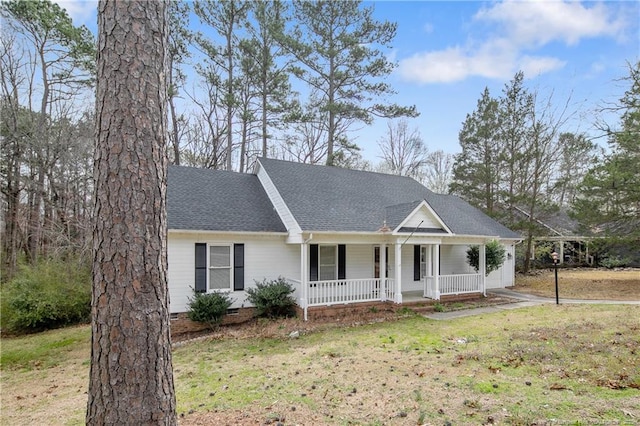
point(217, 200)
point(321, 198)
point(324, 198)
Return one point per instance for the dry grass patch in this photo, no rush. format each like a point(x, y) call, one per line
point(45, 377)
point(588, 284)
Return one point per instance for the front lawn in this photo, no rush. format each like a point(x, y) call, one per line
point(571, 363)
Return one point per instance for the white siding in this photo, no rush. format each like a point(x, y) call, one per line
point(264, 257)
point(504, 277)
point(360, 258)
point(180, 272)
point(422, 215)
point(494, 279)
point(453, 260)
point(509, 267)
point(408, 284)
point(359, 261)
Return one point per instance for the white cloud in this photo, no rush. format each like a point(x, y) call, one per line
point(450, 65)
point(536, 23)
point(495, 60)
point(518, 32)
point(536, 65)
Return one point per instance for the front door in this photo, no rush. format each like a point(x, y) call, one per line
point(376, 261)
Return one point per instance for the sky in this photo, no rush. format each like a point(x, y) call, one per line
point(447, 52)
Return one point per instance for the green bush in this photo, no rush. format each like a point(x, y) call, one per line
point(47, 295)
point(495, 255)
point(615, 252)
point(273, 299)
point(614, 262)
point(209, 308)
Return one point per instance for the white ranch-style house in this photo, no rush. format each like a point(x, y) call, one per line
point(339, 236)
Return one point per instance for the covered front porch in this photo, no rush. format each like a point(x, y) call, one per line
point(415, 268)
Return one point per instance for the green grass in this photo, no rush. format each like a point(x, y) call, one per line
point(43, 350)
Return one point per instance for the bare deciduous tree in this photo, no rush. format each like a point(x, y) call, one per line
point(403, 150)
point(438, 171)
point(46, 64)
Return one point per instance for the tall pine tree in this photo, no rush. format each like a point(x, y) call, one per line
point(225, 17)
point(476, 175)
point(609, 200)
point(516, 107)
point(271, 77)
point(335, 45)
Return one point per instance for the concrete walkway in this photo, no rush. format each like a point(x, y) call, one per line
point(524, 301)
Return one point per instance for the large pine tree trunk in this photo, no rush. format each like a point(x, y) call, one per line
point(131, 379)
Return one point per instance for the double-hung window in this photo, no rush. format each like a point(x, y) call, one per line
point(219, 267)
point(327, 262)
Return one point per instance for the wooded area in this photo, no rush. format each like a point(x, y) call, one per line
point(242, 84)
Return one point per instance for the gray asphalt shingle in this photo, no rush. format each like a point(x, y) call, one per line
point(323, 198)
point(217, 200)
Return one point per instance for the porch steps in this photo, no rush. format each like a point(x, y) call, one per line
point(427, 306)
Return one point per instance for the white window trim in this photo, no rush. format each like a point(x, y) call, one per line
point(209, 268)
point(424, 266)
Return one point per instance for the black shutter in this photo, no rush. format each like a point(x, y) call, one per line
point(313, 262)
point(201, 268)
point(238, 267)
point(342, 261)
point(416, 263)
point(386, 253)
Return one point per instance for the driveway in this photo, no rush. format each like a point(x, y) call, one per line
point(531, 298)
point(523, 301)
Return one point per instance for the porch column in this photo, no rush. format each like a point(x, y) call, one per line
point(436, 268)
point(398, 274)
point(383, 272)
point(426, 280)
point(304, 276)
point(482, 267)
point(561, 243)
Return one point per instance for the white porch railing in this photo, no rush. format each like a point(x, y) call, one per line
point(391, 289)
point(324, 293)
point(452, 284)
point(335, 292)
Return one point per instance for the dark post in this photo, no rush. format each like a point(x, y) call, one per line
point(554, 255)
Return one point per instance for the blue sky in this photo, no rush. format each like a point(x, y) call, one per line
point(448, 52)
